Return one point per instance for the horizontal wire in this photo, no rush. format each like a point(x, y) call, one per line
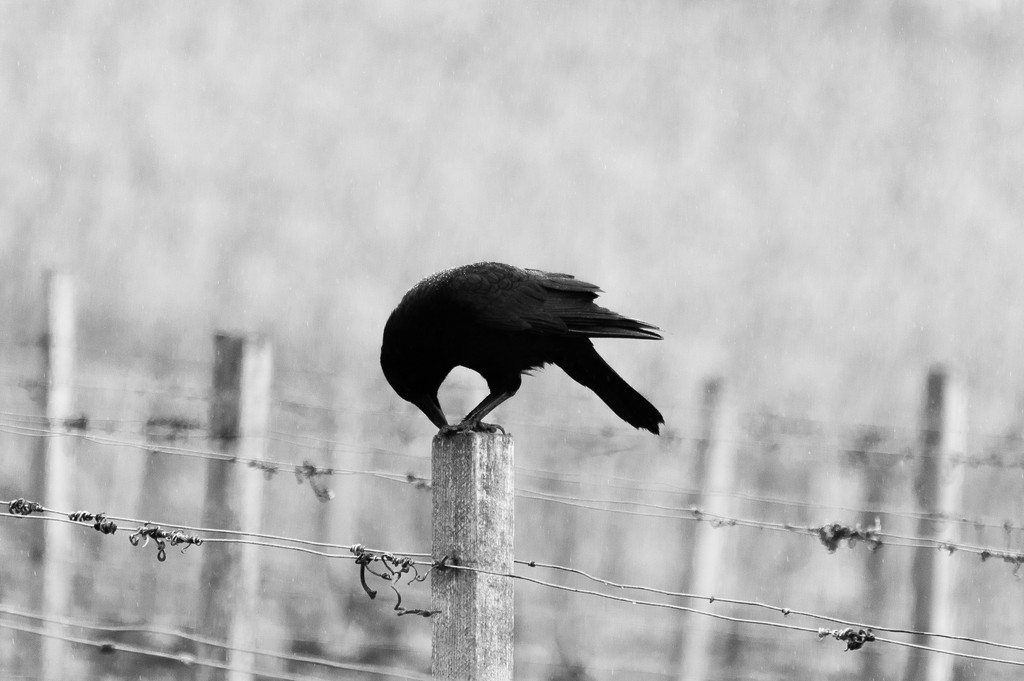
point(1015, 558)
point(125, 647)
point(988, 460)
point(191, 660)
point(757, 604)
point(803, 421)
point(691, 513)
point(42, 420)
point(814, 425)
point(640, 485)
point(323, 443)
point(275, 539)
point(266, 465)
point(235, 536)
point(821, 633)
point(804, 424)
point(910, 433)
point(718, 520)
point(203, 640)
point(587, 575)
point(350, 547)
point(398, 477)
point(552, 475)
point(780, 501)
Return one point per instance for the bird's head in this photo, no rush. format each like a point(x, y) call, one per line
point(411, 372)
point(398, 363)
point(401, 373)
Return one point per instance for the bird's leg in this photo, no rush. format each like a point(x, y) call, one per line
point(472, 420)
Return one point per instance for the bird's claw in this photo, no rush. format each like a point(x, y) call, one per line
point(473, 427)
point(482, 427)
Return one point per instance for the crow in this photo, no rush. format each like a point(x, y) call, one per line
point(502, 321)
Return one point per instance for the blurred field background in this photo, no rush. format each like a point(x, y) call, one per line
point(815, 201)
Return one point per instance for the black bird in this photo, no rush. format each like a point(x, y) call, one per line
point(502, 321)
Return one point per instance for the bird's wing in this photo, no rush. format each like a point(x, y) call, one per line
point(502, 297)
point(571, 302)
point(546, 303)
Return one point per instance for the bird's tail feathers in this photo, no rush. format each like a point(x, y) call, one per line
point(586, 367)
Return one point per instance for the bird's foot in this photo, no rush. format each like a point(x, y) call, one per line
point(473, 427)
point(481, 427)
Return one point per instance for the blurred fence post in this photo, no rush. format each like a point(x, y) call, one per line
point(939, 489)
point(229, 589)
point(715, 473)
point(473, 525)
point(55, 475)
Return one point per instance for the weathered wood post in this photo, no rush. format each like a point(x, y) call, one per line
point(939, 490)
point(473, 525)
point(715, 473)
point(239, 411)
point(58, 469)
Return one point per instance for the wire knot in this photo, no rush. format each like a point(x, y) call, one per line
point(854, 638)
point(24, 507)
point(394, 568)
point(102, 522)
point(269, 469)
point(181, 537)
point(418, 482)
point(1012, 557)
point(832, 534)
point(161, 537)
point(309, 471)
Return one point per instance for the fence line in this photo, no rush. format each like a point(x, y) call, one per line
point(830, 534)
point(786, 612)
point(112, 646)
point(988, 459)
point(307, 470)
point(194, 638)
point(424, 561)
point(800, 426)
point(1005, 525)
point(233, 535)
point(855, 639)
point(267, 466)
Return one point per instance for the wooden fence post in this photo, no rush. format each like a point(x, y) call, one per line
point(939, 491)
point(239, 410)
point(715, 473)
point(473, 525)
point(58, 469)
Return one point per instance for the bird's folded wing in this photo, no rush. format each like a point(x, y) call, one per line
point(551, 303)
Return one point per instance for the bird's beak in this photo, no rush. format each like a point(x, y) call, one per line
point(432, 408)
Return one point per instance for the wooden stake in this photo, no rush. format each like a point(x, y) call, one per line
point(473, 525)
point(59, 540)
point(234, 497)
point(939, 493)
point(715, 473)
